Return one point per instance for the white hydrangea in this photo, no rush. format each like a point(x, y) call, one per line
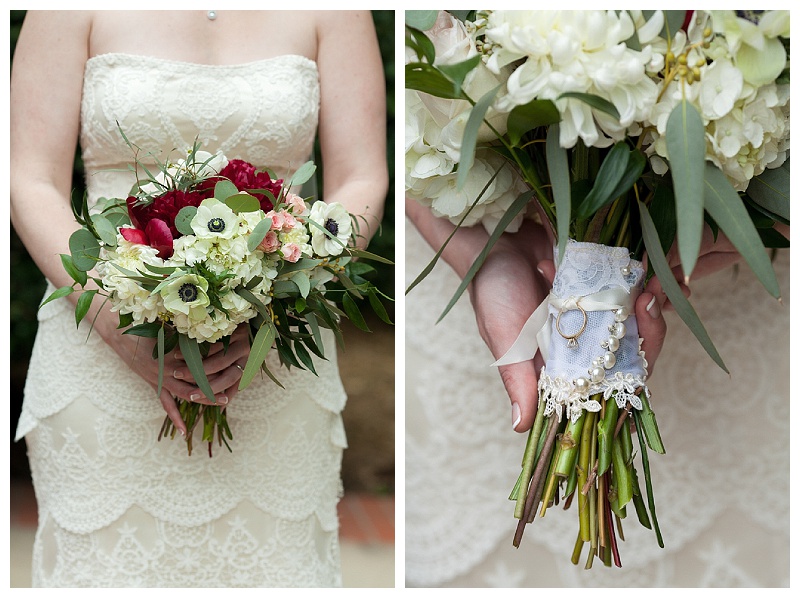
point(128, 296)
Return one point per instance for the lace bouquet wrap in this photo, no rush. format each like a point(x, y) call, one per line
point(592, 385)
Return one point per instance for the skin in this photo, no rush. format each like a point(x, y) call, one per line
point(521, 265)
point(52, 50)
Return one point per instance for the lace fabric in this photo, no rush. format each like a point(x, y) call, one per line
point(721, 491)
point(116, 506)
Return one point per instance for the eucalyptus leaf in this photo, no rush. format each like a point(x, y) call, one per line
point(183, 220)
point(686, 148)
point(105, 230)
point(242, 202)
point(608, 178)
point(224, 189)
point(525, 118)
point(58, 294)
point(421, 19)
point(428, 79)
point(147, 330)
point(303, 174)
point(727, 209)
point(160, 348)
point(260, 347)
point(302, 281)
point(772, 239)
point(470, 139)
point(85, 249)
point(190, 351)
point(378, 307)
point(594, 101)
point(421, 44)
point(246, 294)
point(673, 21)
point(83, 305)
point(353, 313)
point(662, 211)
point(459, 71)
point(260, 231)
point(311, 319)
point(657, 259)
point(770, 190)
point(369, 256)
point(79, 276)
point(558, 167)
point(304, 357)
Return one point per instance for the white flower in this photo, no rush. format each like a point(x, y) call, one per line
point(573, 51)
point(720, 86)
point(214, 220)
point(333, 218)
point(187, 294)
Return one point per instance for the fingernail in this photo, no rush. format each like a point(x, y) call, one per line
point(653, 308)
point(539, 270)
point(177, 374)
point(515, 415)
point(183, 433)
point(193, 397)
point(223, 400)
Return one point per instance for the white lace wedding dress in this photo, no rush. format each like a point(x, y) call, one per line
point(117, 507)
point(721, 490)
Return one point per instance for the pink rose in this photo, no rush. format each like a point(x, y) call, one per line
point(270, 242)
point(296, 204)
point(289, 222)
point(291, 252)
point(278, 219)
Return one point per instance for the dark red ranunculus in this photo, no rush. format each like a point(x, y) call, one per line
point(165, 208)
point(244, 176)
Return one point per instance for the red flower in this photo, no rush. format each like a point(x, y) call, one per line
point(156, 235)
point(165, 208)
point(244, 176)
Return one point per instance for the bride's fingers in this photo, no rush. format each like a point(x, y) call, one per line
point(547, 268)
point(522, 387)
point(652, 327)
point(221, 384)
point(171, 407)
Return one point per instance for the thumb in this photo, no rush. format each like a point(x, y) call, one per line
point(522, 386)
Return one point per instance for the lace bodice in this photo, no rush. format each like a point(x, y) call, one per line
point(265, 112)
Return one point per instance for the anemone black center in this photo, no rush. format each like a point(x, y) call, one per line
point(216, 225)
point(187, 292)
point(332, 226)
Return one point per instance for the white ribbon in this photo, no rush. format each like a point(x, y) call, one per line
point(536, 332)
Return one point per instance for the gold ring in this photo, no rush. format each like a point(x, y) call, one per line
point(571, 338)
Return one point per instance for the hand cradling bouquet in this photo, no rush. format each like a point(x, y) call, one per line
point(624, 132)
point(204, 245)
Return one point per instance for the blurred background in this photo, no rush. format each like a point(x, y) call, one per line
point(367, 368)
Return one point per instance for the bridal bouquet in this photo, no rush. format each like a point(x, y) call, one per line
point(208, 244)
point(625, 132)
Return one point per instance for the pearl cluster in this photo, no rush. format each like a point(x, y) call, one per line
point(597, 371)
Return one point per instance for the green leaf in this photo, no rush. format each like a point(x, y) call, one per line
point(470, 139)
point(85, 249)
point(190, 351)
point(608, 178)
point(78, 276)
point(161, 351)
point(459, 71)
point(353, 313)
point(421, 44)
point(648, 482)
point(302, 281)
point(656, 258)
point(673, 21)
point(686, 148)
point(421, 19)
point(224, 189)
point(246, 294)
point(770, 190)
point(260, 347)
point(514, 209)
point(558, 167)
point(772, 239)
point(349, 285)
point(83, 305)
point(242, 202)
point(311, 319)
point(378, 307)
point(662, 211)
point(370, 256)
point(148, 330)
point(260, 231)
point(302, 174)
point(183, 220)
point(727, 209)
point(525, 118)
point(125, 320)
point(105, 230)
point(304, 357)
point(428, 79)
point(57, 294)
point(593, 101)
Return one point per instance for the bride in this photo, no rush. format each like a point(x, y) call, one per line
point(117, 507)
